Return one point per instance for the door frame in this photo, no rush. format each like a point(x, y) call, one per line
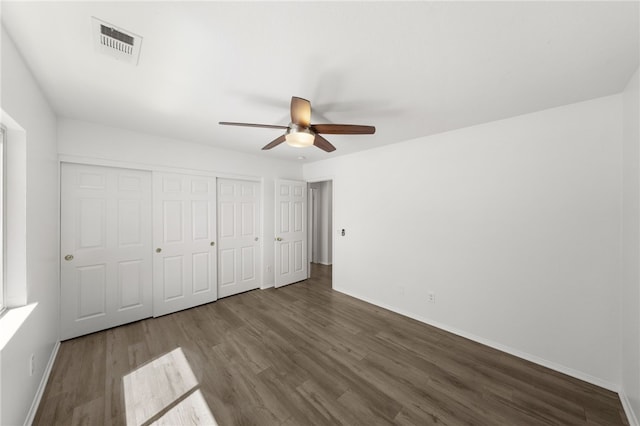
point(90, 161)
point(311, 194)
point(335, 230)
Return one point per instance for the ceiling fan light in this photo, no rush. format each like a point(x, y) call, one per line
point(300, 138)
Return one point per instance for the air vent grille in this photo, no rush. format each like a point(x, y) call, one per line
point(116, 42)
point(110, 37)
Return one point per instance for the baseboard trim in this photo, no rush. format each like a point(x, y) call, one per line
point(631, 416)
point(515, 352)
point(43, 384)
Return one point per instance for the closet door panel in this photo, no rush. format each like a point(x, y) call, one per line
point(105, 241)
point(239, 229)
point(184, 229)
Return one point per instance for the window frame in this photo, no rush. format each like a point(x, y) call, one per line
point(3, 246)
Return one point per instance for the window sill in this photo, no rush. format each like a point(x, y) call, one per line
point(11, 321)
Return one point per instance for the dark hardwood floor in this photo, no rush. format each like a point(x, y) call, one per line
point(306, 355)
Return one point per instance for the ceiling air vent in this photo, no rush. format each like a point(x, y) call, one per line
point(116, 42)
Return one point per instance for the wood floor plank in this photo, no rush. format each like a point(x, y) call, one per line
point(89, 413)
point(306, 355)
point(116, 366)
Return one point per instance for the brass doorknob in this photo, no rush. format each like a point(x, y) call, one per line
point(278, 239)
point(212, 243)
point(158, 250)
point(68, 257)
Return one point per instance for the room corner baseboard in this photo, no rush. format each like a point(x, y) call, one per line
point(515, 352)
point(631, 416)
point(43, 384)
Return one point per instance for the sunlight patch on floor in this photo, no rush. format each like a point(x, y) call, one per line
point(193, 410)
point(164, 392)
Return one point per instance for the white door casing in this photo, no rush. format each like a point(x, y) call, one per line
point(311, 227)
point(105, 242)
point(184, 231)
point(238, 236)
point(290, 232)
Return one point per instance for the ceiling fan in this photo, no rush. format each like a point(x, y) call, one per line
point(301, 133)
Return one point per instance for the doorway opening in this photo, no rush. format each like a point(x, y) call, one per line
point(320, 232)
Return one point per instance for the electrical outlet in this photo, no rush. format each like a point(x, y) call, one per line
point(268, 268)
point(431, 297)
point(401, 291)
point(32, 365)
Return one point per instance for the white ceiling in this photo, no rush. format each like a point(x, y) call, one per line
point(410, 68)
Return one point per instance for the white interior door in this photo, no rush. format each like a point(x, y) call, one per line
point(105, 242)
point(291, 232)
point(184, 229)
point(238, 236)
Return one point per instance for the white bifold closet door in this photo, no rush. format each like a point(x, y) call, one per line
point(184, 230)
point(105, 242)
point(238, 236)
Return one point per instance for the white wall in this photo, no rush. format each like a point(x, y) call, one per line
point(630, 294)
point(514, 225)
point(38, 335)
point(322, 240)
point(114, 146)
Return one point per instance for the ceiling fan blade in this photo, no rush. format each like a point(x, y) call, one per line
point(300, 112)
point(343, 129)
point(277, 141)
point(323, 144)
point(268, 126)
